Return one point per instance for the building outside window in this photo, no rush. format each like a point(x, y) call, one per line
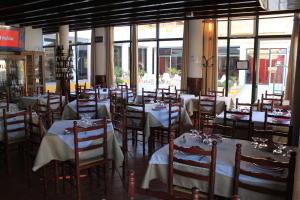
point(49, 43)
point(273, 52)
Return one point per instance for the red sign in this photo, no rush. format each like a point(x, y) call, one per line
point(9, 38)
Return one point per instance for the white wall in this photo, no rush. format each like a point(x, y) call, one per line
point(195, 48)
point(33, 39)
point(100, 52)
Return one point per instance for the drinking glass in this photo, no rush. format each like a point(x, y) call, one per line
point(263, 143)
point(255, 141)
point(279, 149)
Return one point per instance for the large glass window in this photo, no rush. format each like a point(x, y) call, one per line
point(272, 55)
point(147, 31)
point(122, 54)
point(171, 29)
point(49, 39)
point(50, 79)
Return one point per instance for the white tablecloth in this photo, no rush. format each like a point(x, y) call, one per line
point(158, 118)
point(56, 145)
point(158, 168)
point(27, 101)
point(70, 110)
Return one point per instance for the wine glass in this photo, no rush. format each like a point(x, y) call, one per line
point(255, 141)
point(279, 149)
point(263, 143)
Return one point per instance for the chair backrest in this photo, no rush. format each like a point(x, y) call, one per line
point(218, 93)
point(131, 95)
point(239, 105)
point(275, 96)
point(117, 108)
point(197, 151)
point(239, 118)
point(276, 120)
point(268, 101)
point(14, 122)
point(35, 131)
point(87, 106)
point(100, 129)
point(207, 109)
point(174, 118)
point(44, 111)
point(4, 101)
point(181, 91)
point(265, 133)
point(148, 96)
point(55, 102)
point(264, 163)
point(227, 131)
point(170, 97)
point(133, 190)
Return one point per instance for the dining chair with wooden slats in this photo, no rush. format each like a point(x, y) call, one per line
point(180, 91)
point(134, 192)
point(148, 96)
point(55, 105)
point(98, 143)
point(206, 110)
point(161, 134)
point(87, 106)
point(280, 124)
point(239, 120)
point(225, 131)
point(163, 90)
point(117, 108)
point(4, 101)
point(268, 103)
point(131, 95)
point(170, 97)
point(135, 120)
point(14, 135)
point(43, 110)
point(275, 96)
point(264, 164)
point(177, 166)
point(239, 105)
point(218, 93)
point(267, 133)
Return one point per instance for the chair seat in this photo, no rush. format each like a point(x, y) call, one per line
point(90, 161)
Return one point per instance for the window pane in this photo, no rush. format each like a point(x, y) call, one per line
point(222, 28)
point(122, 63)
point(49, 39)
point(242, 27)
point(121, 33)
point(84, 36)
point(240, 81)
point(72, 38)
point(171, 29)
point(222, 52)
point(170, 63)
point(50, 69)
point(146, 31)
point(268, 25)
point(272, 69)
point(83, 65)
point(147, 66)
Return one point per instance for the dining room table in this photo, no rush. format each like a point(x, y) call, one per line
point(58, 144)
point(70, 110)
point(225, 163)
point(158, 117)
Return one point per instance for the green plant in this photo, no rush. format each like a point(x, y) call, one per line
point(118, 71)
point(119, 81)
point(141, 72)
point(173, 70)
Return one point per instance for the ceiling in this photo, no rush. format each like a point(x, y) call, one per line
point(83, 14)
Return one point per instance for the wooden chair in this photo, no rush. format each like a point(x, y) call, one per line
point(275, 96)
point(267, 102)
point(55, 105)
point(87, 106)
point(4, 101)
point(270, 133)
point(170, 97)
point(216, 92)
point(117, 108)
point(36, 133)
point(163, 133)
point(131, 95)
point(135, 120)
point(13, 124)
point(132, 191)
point(181, 91)
point(279, 124)
point(255, 106)
point(240, 120)
point(197, 151)
point(148, 96)
point(206, 110)
point(78, 165)
point(264, 163)
point(226, 131)
point(42, 109)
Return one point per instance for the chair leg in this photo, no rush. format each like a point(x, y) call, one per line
point(44, 180)
point(105, 179)
point(113, 168)
point(7, 160)
point(56, 176)
point(64, 177)
point(144, 143)
point(77, 178)
point(98, 176)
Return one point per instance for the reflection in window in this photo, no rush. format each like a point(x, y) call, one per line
point(171, 29)
point(147, 31)
point(242, 27)
point(49, 39)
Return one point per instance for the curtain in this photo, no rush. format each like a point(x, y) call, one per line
point(93, 58)
point(109, 57)
point(292, 60)
point(210, 54)
point(134, 61)
point(185, 55)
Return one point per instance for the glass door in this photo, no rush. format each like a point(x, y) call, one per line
point(272, 66)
